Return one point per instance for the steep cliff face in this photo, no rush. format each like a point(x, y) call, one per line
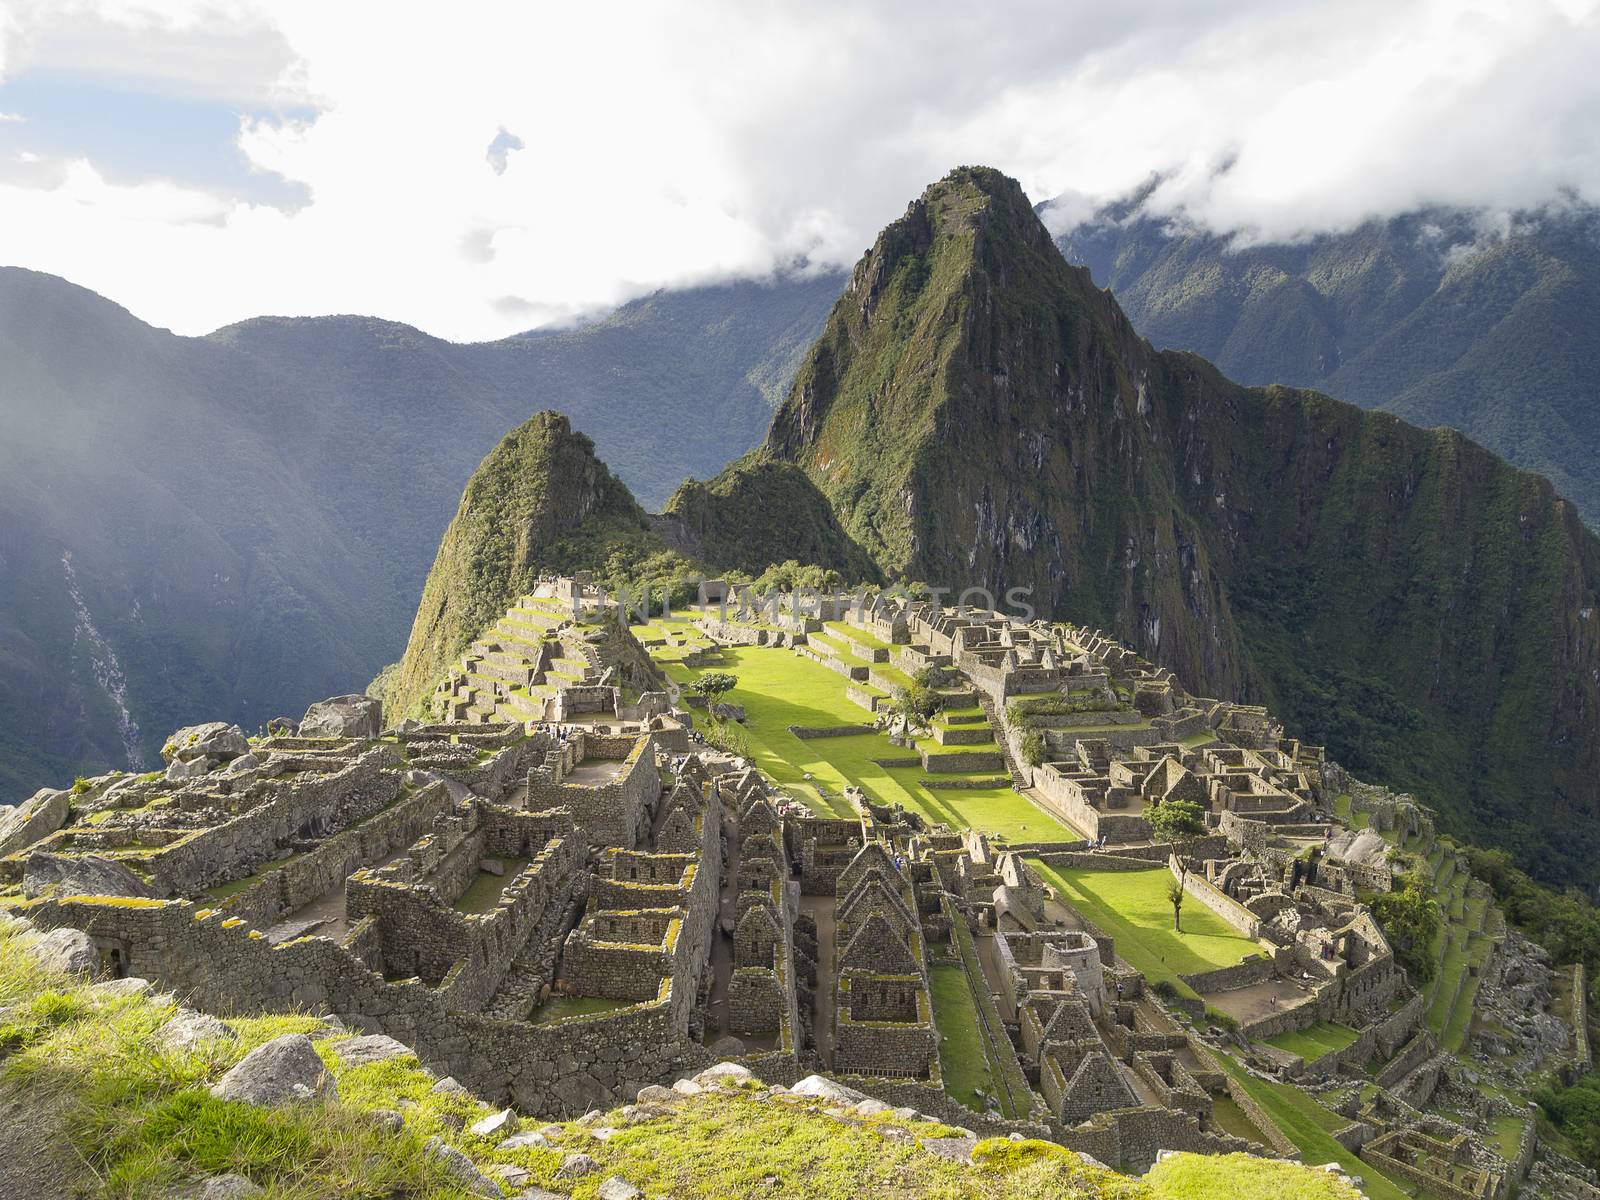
point(540, 503)
point(980, 415)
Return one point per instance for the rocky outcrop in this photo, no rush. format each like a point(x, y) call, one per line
point(39, 816)
point(68, 950)
point(79, 875)
point(343, 717)
point(285, 1069)
point(214, 739)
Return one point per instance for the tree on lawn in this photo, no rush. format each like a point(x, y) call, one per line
point(714, 685)
point(1175, 896)
point(1176, 821)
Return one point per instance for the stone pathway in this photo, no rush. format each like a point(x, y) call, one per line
point(821, 909)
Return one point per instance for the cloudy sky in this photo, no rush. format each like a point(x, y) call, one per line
point(482, 168)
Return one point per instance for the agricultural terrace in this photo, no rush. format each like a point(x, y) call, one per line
point(779, 688)
point(1132, 907)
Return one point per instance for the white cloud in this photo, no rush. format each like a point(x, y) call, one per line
point(12, 118)
point(669, 145)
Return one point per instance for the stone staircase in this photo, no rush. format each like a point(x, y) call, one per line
point(517, 665)
point(1018, 779)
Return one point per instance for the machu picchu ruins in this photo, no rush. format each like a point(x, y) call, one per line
point(573, 879)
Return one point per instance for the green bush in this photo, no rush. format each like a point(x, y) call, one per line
point(1033, 748)
point(1412, 920)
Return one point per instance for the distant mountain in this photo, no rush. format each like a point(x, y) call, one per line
point(241, 523)
point(979, 413)
point(1442, 317)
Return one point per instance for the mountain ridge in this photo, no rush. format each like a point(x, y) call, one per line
point(979, 412)
point(251, 514)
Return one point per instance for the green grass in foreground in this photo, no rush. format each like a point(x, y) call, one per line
point(778, 688)
point(136, 1120)
point(962, 1059)
point(1322, 1038)
point(1133, 907)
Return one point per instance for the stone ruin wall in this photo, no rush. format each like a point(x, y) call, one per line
point(286, 888)
point(217, 964)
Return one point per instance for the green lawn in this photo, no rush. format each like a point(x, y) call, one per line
point(1322, 1038)
point(560, 1007)
point(1309, 1126)
point(1506, 1135)
point(1226, 1112)
point(961, 1055)
point(483, 893)
point(779, 688)
point(1133, 907)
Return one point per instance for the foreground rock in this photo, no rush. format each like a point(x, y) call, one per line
point(68, 950)
point(370, 1048)
point(461, 1168)
point(39, 816)
point(343, 717)
point(82, 875)
point(285, 1069)
point(190, 1030)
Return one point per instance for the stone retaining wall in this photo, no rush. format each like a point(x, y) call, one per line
point(285, 889)
point(560, 1069)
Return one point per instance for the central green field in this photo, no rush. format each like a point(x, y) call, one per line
point(778, 688)
point(1322, 1038)
point(1132, 906)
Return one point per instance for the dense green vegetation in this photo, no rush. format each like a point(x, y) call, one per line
point(1575, 1111)
point(1565, 923)
point(1412, 921)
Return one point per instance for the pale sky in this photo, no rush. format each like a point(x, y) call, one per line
point(477, 169)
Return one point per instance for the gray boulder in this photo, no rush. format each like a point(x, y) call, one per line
point(286, 1068)
point(181, 769)
point(343, 717)
point(370, 1048)
point(68, 950)
point(38, 816)
point(79, 875)
point(282, 727)
point(827, 1089)
point(618, 1188)
point(214, 739)
point(576, 1166)
point(245, 762)
point(190, 1030)
point(461, 1168)
point(217, 1187)
point(495, 1123)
